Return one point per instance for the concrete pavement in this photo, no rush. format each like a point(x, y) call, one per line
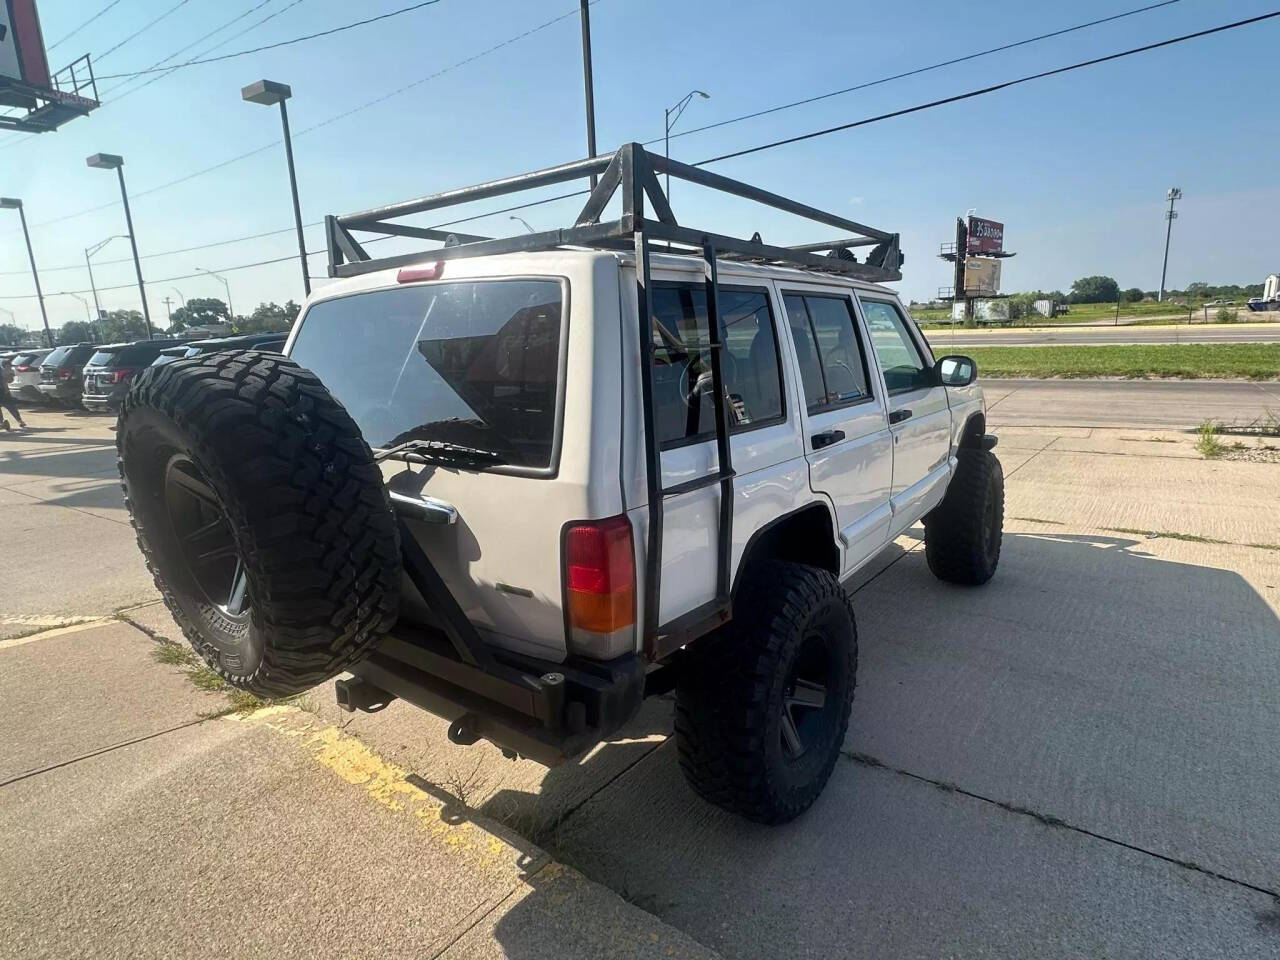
point(957, 338)
point(1077, 759)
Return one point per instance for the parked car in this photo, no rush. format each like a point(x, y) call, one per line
point(783, 420)
point(270, 342)
point(107, 374)
point(60, 373)
point(26, 374)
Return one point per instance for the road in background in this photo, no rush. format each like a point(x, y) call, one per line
point(960, 337)
point(1151, 404)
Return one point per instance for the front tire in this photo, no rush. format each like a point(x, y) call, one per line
point(763, 704)
point(962, 535)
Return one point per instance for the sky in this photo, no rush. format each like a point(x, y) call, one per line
point(1076, 166)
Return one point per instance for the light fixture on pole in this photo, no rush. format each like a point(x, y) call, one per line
point(93, 287)
point(10, 203)
point(180, 297)
point(111, 161)
point(524, 221)
point(231, 314)
point(670, 116)
point(1174, 194)
point(268, 93)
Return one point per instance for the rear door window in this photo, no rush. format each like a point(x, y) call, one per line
point(475, 365)
point(833, 369)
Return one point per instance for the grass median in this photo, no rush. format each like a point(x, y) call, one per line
point(1191, 361)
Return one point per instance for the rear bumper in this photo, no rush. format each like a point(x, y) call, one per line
point(99, 404)
point(544, 711)
point(59, 391)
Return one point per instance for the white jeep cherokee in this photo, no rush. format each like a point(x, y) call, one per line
point(523, 483)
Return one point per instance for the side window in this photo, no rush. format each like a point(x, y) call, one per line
point(682, 396)
point(904, 367)
point(833, 370)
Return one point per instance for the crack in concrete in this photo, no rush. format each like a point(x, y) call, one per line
point(1049, 820)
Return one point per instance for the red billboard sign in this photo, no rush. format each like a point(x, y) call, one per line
point(985, 236)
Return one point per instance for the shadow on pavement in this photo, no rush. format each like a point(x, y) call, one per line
point(1092, 686)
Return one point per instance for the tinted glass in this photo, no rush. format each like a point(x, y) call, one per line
point(474, 364)
point(56, 356)
point(832, 368)
point(904, 367)
point(102, 358)
point(139, 354)
point(682, 396)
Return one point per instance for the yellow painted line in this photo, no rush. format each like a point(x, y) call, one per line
point(56, 632)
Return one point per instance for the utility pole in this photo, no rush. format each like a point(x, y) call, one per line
point(168, 306)
point(587, 82)
point(1171, 215)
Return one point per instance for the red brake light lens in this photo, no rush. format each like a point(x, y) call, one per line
point(600, 575)
point(64, 374)
point(432, 271)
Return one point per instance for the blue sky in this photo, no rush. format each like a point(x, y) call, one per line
point(1076, 165)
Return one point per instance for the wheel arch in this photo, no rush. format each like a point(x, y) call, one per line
point(805, 535)
point(972, 433)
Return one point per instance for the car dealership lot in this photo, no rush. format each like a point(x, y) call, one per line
point(1079, 759)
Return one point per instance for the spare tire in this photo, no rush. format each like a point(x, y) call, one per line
point(261, 515)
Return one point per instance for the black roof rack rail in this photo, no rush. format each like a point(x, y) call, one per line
point(634, 171)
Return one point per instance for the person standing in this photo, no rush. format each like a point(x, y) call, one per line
point(6, 398)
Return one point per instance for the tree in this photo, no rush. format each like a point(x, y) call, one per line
point(1095, 290)
point(1133, 295)
point(199, 311)
point(75, 331)
point(11, 334)
point(117, 325)
point(268, 318)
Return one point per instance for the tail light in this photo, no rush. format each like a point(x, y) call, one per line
point(120, 376)
point(22, 368)
point(64, 373)
point(600, 587)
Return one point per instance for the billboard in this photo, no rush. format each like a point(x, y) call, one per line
point(985, 236)
point(22, 55)
point(981, 276)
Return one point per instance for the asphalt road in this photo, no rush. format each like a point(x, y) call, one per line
point(960, 338)
point(1076, 760)
point(1155, 404)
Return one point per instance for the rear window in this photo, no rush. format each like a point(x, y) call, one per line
point(56, 356)
point(102, 358)
point(138, 354)
point(474, 364)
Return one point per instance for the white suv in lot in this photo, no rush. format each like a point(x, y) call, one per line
point(524, 483)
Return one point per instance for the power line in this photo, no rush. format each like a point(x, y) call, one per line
point(315, 126)
point(915, 72)
point(74, 31)
point(991, 89)
point(273, 46)
point(141, 30)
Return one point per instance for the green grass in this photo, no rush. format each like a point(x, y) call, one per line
point(173, 654)
point(1245, 361)
point(1188, 537)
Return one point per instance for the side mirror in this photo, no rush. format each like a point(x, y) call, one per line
point(956, 371)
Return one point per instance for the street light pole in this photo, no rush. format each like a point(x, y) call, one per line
point(1171, 215)
point(12, 204)
point(268, 92)
point(670, 117)
point(110, 161)
point(588, 83)
point(231, 313)
point(88, 253)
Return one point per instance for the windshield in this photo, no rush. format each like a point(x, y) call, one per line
point(474, 364)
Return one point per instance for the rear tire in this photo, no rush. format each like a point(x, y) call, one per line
point(763, 704)
point(962, 535)
point(262, 517)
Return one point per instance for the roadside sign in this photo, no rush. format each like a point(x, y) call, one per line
point(981, 276)
point(985, 236)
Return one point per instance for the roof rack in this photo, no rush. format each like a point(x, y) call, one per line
point(633, 170)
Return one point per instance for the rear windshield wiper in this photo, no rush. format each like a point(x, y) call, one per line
point(441, 451)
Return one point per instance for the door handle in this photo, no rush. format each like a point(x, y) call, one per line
point(826, 438)
point(897, 416)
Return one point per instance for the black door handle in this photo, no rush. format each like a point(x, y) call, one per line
point(897, 416)
point(826, 438)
